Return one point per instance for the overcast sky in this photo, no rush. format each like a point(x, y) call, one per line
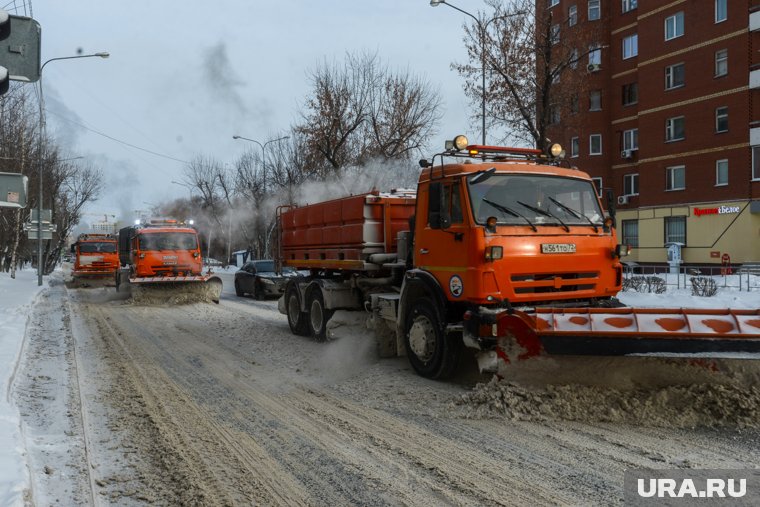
point(184, 76)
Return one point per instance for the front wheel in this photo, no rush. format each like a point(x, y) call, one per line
point(238, 291)
point(431, 353)
point(297, 320)
point(318, 315)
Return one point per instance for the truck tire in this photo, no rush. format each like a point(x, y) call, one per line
point(318, 314)
point(297, 320)
point(431, 353)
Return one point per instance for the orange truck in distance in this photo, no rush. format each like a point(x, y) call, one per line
point(163, 253)
point(95, 257)
point(499, 249)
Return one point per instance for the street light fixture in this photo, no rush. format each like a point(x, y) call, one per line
point(101, 54)
point(482, 29)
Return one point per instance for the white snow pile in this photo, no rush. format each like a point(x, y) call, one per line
point(16, 298)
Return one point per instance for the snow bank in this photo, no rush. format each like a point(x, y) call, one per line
point(16, 298)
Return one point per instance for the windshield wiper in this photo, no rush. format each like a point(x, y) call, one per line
point(509, 211)
point(574, 213)
point(546, 214)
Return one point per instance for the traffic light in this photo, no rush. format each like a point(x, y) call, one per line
point(5, 31)
point(19, 49)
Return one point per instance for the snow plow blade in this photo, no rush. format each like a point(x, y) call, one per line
point(211, 285)
point(648, 331)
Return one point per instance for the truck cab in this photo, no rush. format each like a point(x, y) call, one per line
point(94, 256)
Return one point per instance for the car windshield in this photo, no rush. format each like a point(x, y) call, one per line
point(105, 247)
point(168, 241)
point(515, 199)
point(264, 266)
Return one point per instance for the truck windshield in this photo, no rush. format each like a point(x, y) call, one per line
point(168, 241)
point(542, 200)
point(108, 247)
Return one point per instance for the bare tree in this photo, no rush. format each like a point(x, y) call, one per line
point(75, 186)
point(527, 51)
point(362, 111)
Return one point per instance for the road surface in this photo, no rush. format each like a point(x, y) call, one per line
point(221, 405)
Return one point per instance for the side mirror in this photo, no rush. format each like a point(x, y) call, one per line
point(73, 248)
point(438, 213)
point(611, 206)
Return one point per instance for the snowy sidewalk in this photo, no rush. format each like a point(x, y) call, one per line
point(16, 300)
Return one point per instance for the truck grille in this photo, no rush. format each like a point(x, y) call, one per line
point(539, 283)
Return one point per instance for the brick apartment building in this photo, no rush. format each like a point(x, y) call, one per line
point(666, 118)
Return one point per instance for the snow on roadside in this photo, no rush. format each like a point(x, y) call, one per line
point(16, 298)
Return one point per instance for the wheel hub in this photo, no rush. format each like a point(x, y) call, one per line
point(422, 338)
point(316, 315)
point(293, 308)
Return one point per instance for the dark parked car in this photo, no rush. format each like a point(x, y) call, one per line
point(259, 279)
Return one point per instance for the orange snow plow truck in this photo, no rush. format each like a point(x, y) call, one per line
point(164, 253)
point(95, 257)
point(499, 249)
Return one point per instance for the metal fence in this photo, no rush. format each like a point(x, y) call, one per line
point(724, 278)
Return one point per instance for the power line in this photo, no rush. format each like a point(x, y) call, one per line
point(116, 140)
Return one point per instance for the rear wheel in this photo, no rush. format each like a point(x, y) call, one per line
point(318, 315)
point(431, 353)
point(297, 320)
point(238, 291)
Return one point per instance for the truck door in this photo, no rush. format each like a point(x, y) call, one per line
point(441, 248)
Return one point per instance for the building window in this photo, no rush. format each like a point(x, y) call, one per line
point(674, 129)
point(594, 56)
point(631, 139)
point(630, 93)
point(721, 10)
point(594, 10)
point(630, 46)
point(575, 146)
point(674, 76)
point(630, 233)
point(674, 26)
point(721, 62)
point(552, 3)
point(595, 100)
point(573, 59)
point(555, 34)
point(554, 115)
point(597, 185)
point(721, 119)
point(572, 15)
point(595, 144)
point(629, 5)
point(675, 178)
point(631, 184)
point(574, 103)
point(675, 230)
point(721, 172)
point(756, 162)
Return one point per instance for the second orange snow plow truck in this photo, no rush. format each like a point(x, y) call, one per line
point(164, 253)
point(95, 257)
point(500, 250)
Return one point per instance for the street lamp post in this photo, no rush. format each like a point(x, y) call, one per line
point(102, 54)
point(263, 164)
point(263, 146)
point(482, 29)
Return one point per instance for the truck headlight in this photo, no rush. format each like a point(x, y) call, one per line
point(494, 253)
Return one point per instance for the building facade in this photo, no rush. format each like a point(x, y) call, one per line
point(665, 118)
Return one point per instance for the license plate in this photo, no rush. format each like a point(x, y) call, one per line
point(170, 260)
point(550, 248)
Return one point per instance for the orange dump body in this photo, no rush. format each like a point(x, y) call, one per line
point(343, 233)
point(95, 256)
